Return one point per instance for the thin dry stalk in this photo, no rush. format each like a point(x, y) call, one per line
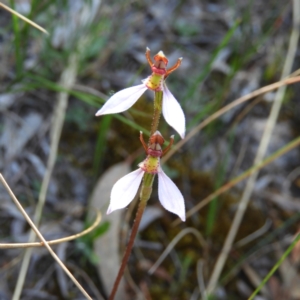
point(17, 203)
point(23, 18)
point(254, 235)
point(260, 153)
point(228, 107)
point(200, 279)
point(87, 279)
point(67, 80)
point(58, 241)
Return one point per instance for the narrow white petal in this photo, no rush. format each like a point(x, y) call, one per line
point(170, 196)
point(124, 190)
point(172, 112)
point(122, 100)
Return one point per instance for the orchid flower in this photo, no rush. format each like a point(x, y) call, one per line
point(171, 109)
point(125, 189)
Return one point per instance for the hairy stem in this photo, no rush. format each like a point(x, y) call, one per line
point(158, 98)
point(146, 191)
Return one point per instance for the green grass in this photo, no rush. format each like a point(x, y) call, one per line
point(17, 42)
point(195, 83)
point(276, 266)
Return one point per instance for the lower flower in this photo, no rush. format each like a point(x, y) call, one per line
point(125, 189)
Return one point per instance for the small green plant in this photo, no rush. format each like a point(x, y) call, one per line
point(85, 243)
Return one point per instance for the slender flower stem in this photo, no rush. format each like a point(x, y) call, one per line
point(145, 194)
point(157, 111)
point(146, 191)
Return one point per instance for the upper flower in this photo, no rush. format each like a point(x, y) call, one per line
point(171, 109)
point(125, 189)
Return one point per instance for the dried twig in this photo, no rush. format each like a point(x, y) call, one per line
point(24, 18)
point(17, 203)
point(57, 241)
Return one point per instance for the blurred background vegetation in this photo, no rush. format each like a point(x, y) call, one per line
point(95, 48)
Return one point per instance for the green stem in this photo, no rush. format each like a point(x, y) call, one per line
point(282, 258)
point(158, 98)
point(17, 41)
point(146, 191)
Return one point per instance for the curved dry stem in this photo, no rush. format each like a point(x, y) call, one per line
point(226, 108)
point(254, 235)
point(23, 18)
point(173, 243)
point(57, 241)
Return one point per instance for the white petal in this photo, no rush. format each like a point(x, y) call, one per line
point(170, 196)
point(172, 112)
point(122, 100)
point(124, 190)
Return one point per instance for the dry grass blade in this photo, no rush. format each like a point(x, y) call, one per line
point(57, 241)
point(17, 203)
point(254, 235)
point(228, 107)
point(238, 179)
point(24, 18)
point(88, 280)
